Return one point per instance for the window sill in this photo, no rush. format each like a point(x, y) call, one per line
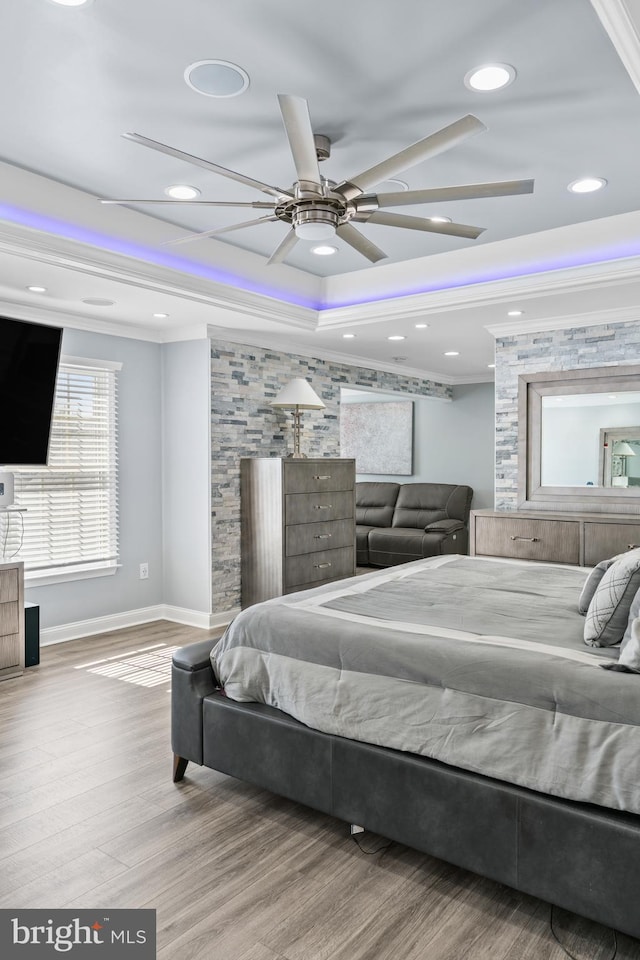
point(42, 578)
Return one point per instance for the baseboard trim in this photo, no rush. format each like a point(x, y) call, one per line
point(132, 618)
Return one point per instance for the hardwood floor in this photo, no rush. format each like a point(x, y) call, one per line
point(89, 817)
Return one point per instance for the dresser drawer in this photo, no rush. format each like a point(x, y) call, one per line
point(8, 585)
point(308, 476)
point(311, 537)
point(9, 618)
point(556, 541)
point(603, 540)
point(313, 569)
point(311, 507)
point(10, 652)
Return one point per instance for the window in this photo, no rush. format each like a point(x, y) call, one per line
point(67, 524)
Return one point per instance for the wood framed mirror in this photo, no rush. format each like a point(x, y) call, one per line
point(578, 436)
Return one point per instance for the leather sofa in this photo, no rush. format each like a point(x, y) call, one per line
point(398, 522)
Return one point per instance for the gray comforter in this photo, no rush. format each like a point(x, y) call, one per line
point(475, 662)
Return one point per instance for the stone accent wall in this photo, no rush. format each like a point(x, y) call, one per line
point(577, 348)
point(243, 381)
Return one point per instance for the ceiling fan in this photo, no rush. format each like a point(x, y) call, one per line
point(317, 209)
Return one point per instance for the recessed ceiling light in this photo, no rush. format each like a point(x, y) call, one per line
point(392, 186)
point(72, 3)
point(613, 396)
point(452, 353)
point(161, 316)
point(490, 76)
point(324, 250)
point(348, 336)
point(587, 185)
point(216, 78)
point(421, 326)
point(514, 313)
point(491, 366)
point(37, 289)
point(181, 191)
point(397, 337)
point(438, 219)
point(98, 302)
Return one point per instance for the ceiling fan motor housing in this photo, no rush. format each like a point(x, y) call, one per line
point(315, 222)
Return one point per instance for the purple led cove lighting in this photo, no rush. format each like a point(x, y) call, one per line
point(622, 251)
point(585, 258)
point(35, 221)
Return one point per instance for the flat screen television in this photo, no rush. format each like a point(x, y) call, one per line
point(29, 356)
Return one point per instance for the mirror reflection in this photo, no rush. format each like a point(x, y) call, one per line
point(591, 440)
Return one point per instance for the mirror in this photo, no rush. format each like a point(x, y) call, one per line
point(579, 439)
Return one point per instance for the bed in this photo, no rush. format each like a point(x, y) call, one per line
point(450, 704)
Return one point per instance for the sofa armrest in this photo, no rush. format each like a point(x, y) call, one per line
point(192, 679)
point(444, 526)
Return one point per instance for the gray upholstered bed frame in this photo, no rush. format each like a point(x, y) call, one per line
point(579, 856)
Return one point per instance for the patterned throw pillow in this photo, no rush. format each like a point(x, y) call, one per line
point(608, 612)
point(592, 582)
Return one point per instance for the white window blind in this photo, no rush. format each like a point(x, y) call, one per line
point(70, 512)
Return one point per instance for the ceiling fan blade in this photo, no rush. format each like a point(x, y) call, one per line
point(206, 165)
point(429, 147)
point(297, 124)
point(214, 233)
point(283, 248)
point(428, 226)
point(355, 239)
point(470, 191)
point(256, 204)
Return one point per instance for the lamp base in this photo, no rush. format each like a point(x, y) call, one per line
point(296, 455)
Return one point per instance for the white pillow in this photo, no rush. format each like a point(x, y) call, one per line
point(630, 653)
point(608, 613)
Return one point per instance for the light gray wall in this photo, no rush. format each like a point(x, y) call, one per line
point(186, 475)
point(453, 439)
point(140, 489)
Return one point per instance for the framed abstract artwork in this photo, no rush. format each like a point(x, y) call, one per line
point(379, 436)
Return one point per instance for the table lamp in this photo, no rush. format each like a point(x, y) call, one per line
point(297, 395)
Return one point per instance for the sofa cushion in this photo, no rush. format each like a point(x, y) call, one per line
point(375, 502)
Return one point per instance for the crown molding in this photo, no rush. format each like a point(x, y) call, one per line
point(624, 33)
point(491, 292)
point(70, 255)
point(596, 319)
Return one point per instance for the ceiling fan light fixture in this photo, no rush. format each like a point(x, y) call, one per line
point(72, 3)
point(324, 250)
point(182, 191)
point(216, 78)
point(313, 223)
point(490, 76)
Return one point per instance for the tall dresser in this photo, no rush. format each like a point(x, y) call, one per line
point(11, 620)
point(298, 524)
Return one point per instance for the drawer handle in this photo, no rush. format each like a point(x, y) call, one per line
point(322, 566)
point(326, 476)
point(323, 506)
point(322, 536)
point(527, 539)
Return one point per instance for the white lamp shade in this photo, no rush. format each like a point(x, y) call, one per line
point(298, 393)
point(622, 449)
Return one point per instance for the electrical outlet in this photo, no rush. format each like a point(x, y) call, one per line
point(144, 571)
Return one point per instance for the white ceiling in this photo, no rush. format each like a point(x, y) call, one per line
point(377, 78)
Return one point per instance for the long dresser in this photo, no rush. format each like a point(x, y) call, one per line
point(298, 524)
point(11, 620)
point(577, 538)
